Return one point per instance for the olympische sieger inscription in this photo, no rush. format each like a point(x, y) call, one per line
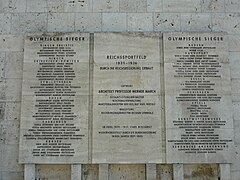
point(198, 67)
point(56, 90)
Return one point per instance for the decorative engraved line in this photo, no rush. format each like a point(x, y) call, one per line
point(162, 84)
point(90, 105)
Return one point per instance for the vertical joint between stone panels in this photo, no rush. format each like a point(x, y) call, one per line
point(90, 105)
point(162, 84)
point(178, 172)
point(29, 171)
point(103, 171)
point(76, 172)
point(150, 171)
point(225, 173)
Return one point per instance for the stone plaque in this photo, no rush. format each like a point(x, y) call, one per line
point(55, 99)
point(127, 124)
point(199, 121)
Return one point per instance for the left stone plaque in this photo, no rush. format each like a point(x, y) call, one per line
point(55, 99)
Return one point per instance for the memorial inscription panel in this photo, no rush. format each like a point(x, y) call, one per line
point(97, 98)
point(126, 98)
point(55, 90)
point(197, 98)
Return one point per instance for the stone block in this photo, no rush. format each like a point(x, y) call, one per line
point(90, 171)
point(5, 23)
point(201, 171)
point(2, 114)
point(77, 6)
point(181, 6)
point(17, 6)
point(235, 166)
point(2, 64)
point(13, 65)
point(61, 22)
point(12, 111)
point(178, 172)
point(105, 6)
point(234, 58)
point(166, 22)
point(10, 132)
point(11, 43)
point(37, 6)
point(236, 111)
point(12, 87)
point(10, 158)
point(139, 22)
point(232, 5)
point(234, 42)
point(164, 171)
point(133, 6)
point(154, 6)
point(47, 171)
point(213, 5)
point(196, 22)
point(114, 22)
point(88, 22)
point(55, 6)
point(29, 22)
point(4, 6)
point(235, 84)
point(226, 22)
point(10, 175)
point(237, 132)
point(133, 171)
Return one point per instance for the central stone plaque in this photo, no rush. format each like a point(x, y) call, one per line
point(127, 122)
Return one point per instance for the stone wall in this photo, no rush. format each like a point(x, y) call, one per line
point(20, 16)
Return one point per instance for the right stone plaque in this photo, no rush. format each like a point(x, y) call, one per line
point(199, 120)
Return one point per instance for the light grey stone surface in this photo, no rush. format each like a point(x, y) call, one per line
point(139, 22)
point(11, 43)
point(114, 22)
point(167, 22)
point(61, 22)
point(106, 6)
point(154, 5)
point(232, 5)
point(183, 116)
point(197, 22)
point(228, 22)
point(36, 6)
point(133, 6)
point(128, 171)
point(181, 6)
point(29, 22)
point(119, 131)
point(72, 113)
point(5, 23)
point(82, 22)
point(178, 172)
point(213, 5)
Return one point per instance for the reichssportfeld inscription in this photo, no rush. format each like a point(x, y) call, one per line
point(54, 118)
point(198, 98)
point(126, 98)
